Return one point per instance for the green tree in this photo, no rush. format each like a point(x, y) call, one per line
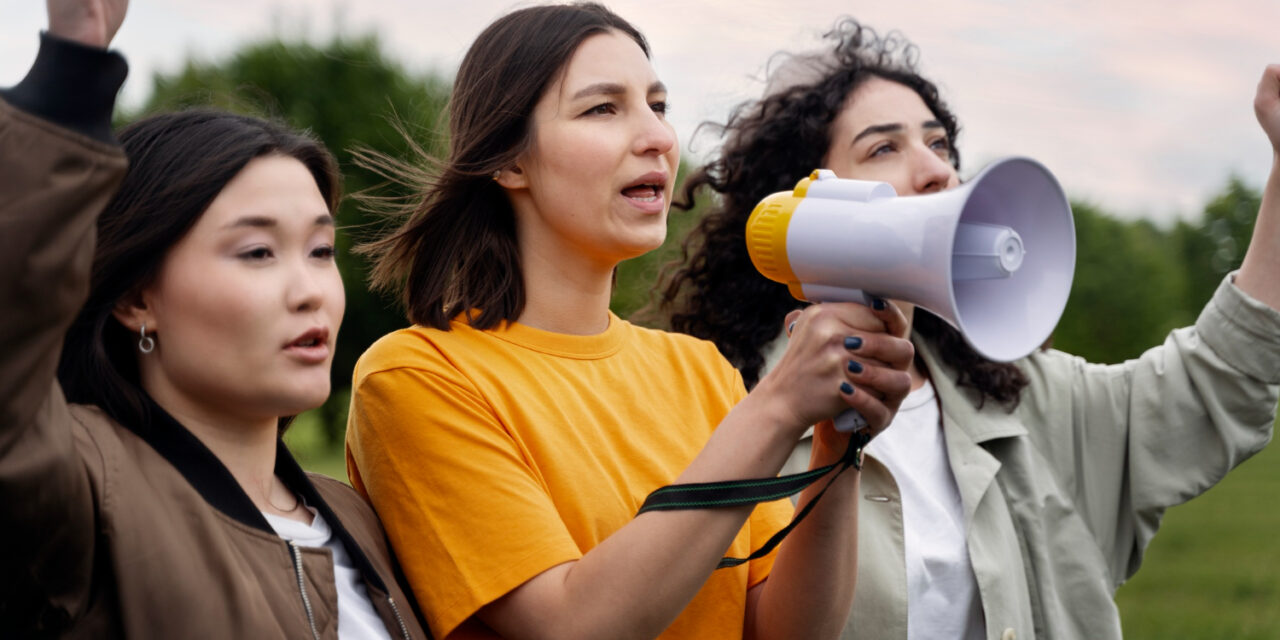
point(1216, 244)
point(1128, 292)
point(349, 94)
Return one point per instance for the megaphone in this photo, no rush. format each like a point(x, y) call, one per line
point(993, 257)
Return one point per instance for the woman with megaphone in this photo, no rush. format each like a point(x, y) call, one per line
point(516, 441)
point(1010, 499)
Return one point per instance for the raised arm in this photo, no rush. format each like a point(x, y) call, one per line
point(1257, 275)
point(58, 170)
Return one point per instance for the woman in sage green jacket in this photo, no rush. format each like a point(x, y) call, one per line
point(1007, 500)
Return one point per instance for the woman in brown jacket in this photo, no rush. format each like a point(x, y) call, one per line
point(144, 491)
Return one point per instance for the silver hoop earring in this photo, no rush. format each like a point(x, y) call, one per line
point(146, 343)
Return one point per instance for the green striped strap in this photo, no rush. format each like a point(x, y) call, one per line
point(734, 493)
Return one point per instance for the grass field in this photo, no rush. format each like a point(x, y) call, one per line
point(1213, 570)
point(1212, 573)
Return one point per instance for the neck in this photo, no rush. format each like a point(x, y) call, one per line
point(245, 446)
point(566, 293)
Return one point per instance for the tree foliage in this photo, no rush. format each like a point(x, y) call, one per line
point(1135, 282)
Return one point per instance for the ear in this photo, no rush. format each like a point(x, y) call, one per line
point(512, 177)
point(131, 310)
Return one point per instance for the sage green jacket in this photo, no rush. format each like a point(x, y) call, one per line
point(1062, 496)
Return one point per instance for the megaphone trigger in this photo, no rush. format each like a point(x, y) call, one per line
point(850, 420)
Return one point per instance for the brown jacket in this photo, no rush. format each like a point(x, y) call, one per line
point(111, 530)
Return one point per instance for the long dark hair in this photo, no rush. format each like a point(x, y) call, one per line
point(456, 248)
point(178, 163)
point(768, 145)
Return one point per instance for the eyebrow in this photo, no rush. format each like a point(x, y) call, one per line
point(893, 128)
point(322, 220)
point(613, 89)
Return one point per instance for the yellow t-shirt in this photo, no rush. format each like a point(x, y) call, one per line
point(492, 456)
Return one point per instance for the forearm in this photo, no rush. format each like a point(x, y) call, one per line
point(639, 579)
point(810, 590)
point(56, 181)
point(1257, 275)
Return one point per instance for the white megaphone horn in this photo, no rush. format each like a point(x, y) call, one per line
point(994, 257)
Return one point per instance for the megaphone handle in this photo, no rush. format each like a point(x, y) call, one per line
point(850, 420)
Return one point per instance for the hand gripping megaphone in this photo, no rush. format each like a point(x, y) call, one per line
point(993, 257)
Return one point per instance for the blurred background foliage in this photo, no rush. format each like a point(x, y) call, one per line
point(1211, 573)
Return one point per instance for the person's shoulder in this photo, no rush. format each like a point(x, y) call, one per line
point(341, 497)
point(687, 353)
point(674, 342)
point(414, 346)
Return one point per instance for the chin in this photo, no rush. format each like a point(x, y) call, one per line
point(643, 245)
point(293, 401)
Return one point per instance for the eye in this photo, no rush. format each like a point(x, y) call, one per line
point(941, 145)
point(659, 107)
point(257, 254)
point(883, 148)
point(323, 252)
point(602, 109)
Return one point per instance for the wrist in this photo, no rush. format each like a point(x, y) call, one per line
point(71, 85)
point(772, 409)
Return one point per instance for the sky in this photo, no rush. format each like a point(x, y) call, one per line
point(1143, 108)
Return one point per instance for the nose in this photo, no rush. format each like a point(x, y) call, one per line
point(654, 136)
point(306, 291)
point(931, 173)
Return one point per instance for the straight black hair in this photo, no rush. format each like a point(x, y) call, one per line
point(178, 163)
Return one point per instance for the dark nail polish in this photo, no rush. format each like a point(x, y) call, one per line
point(879, 304)
point(852, 342)
point(855, 366)
point(791, 327)
point(846, 388)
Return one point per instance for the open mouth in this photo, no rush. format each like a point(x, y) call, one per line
point(310, 340)
point(643, 192)
point(647, 189)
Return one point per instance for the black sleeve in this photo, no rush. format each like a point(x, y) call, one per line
point(71, 85)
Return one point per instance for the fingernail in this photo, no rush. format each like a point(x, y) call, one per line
point(846, 388)
point(852, 342)
point(855, 366)
point(791, 327)
point(879, 304)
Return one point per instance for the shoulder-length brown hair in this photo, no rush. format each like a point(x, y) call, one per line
point(456, 250)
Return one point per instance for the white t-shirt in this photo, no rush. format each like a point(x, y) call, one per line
point(356, 618)
point(942, 591)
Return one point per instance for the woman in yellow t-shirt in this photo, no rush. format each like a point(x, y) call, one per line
point(508, 439)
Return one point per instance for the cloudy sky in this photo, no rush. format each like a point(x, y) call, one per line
point(1143, 107)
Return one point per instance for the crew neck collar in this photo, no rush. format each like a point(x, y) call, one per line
point(564, 345)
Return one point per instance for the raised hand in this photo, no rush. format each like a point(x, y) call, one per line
point(89, 22)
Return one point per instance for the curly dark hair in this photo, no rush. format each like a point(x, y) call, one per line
point(713, 291)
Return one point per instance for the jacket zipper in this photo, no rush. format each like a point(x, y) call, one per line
point(404, 631)
point(302, 587)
